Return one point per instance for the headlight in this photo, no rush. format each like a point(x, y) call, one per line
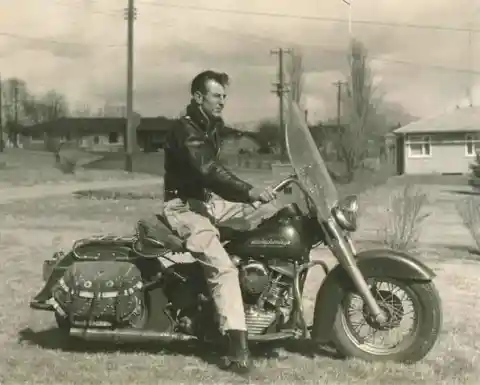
point(345, 213)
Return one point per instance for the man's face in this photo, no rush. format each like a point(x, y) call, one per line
point(213, 100)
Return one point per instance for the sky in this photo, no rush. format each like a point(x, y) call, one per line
point(78, 47)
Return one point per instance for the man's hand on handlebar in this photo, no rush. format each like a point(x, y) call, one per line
point(264, 195)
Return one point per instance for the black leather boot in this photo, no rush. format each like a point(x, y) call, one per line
point(237, 358)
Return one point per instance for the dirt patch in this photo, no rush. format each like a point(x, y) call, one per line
point(116, 195)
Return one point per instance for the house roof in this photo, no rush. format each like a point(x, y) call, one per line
point(460, 120)
point(102, 124)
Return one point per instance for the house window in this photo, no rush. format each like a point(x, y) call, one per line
point(470, 145)
point(96, 139)
point(419, 146)
point(113, 137)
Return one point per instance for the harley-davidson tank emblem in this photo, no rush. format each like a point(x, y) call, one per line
point(270, 242)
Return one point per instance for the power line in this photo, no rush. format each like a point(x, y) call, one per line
point(337, 51)
point(59, 42)
point(322, 48)
point(286, 16)
point(312, 18)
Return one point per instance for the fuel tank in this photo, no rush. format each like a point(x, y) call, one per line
point(282, 236)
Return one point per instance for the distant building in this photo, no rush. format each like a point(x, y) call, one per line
point(96, 134)
point(445, 144)
point(247, 143)
point(106, 134)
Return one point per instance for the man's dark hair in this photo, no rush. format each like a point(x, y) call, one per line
point(199, 82)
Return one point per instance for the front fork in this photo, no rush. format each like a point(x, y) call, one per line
point(344, 249)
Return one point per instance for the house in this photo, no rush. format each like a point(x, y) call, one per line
point(444, 144)
point(244, 144)
point(96, 134)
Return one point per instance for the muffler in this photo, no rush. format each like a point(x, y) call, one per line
point(128, 335)
point(138, 335)
point(272, 337)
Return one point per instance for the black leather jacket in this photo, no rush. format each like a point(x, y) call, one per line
point(192, 167)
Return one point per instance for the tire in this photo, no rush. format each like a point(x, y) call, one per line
point(427, 304)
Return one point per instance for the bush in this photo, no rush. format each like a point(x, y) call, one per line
point(475, 167)
point(401, 230)
point(469, 211)
point(65, 164)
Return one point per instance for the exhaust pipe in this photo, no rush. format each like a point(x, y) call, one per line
point(138, 335)
point(128, 335)
point(271, 337)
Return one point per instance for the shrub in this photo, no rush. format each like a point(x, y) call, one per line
point(475, 167)
point(405, 215)
point(469, 211)
point(65, 164)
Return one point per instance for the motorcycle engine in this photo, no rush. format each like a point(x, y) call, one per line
point(254, 280)
point(266, 294)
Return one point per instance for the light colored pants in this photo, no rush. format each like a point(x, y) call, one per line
point(196, 221)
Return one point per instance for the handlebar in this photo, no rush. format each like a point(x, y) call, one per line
point(285, 183)
point(279, 187)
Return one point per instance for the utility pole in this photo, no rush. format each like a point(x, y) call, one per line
point(130, 134)
point(470, 80)
point(15, 106)
point(1, 116)
point(348, 2)
point(280, 90)
point(339, 84)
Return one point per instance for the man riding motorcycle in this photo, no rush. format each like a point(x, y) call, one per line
point(193, 174)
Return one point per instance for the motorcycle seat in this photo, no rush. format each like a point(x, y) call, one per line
point(156, 234)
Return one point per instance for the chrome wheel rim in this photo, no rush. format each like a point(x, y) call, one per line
point(399, 303)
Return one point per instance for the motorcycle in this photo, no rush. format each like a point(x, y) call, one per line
point(120, 289)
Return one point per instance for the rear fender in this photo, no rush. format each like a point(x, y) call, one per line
point(372, 263)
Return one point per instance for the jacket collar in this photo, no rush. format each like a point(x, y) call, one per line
point(201, 119)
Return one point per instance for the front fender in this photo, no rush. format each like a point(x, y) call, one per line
point(372, 263)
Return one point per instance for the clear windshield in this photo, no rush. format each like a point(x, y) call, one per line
point(308, 163)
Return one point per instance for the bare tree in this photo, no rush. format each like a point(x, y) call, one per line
point(82, 111)
point(114, 110)
point(267, 135)
point(50, 106)
point(359, 128)
point(14, 92)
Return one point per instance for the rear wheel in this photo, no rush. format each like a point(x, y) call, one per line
point(401, 301)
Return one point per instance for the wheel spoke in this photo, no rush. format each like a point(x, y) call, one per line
point(396, 303)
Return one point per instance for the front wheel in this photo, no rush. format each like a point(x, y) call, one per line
point(401, 300)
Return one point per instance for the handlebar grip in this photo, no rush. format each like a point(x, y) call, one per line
point(277, 188)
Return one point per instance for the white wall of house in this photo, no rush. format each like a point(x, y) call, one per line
point(440, 153)
point(99, 142)
point(113, 141)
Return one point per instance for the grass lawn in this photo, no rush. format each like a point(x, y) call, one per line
point(28, 168)
point(31, 231)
